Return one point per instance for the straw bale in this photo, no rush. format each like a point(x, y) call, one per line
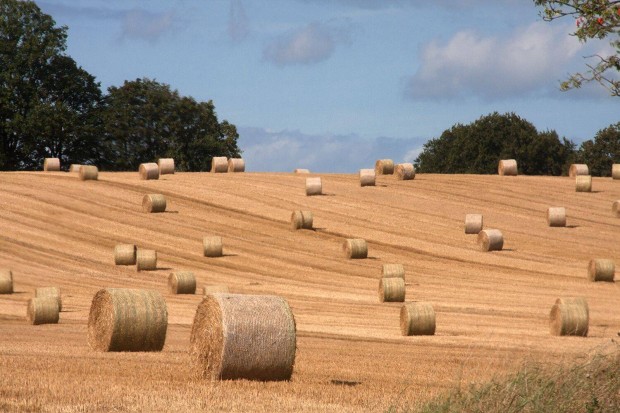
point(367, 177)
point(473, 223)
point(153, 203)
point(507, 167)
point(615, 171)
point(236, 165)
point(51, 164)
point(393, 271)
point(125, 254)
point(417, 319)
point(569, 317)
point(355, 248)
point(75, 167)
point(615, 208)
point(146, 260)
point(238, 336)
point(123, 319)
point(405, 171)
point(6, 281)
point(210, 289)
point(89, 173)
point(212, 246)
point(51, 292)
point(578, 169)
point(219, 164)
point(301, 171)
point(166, 166)
point(583, 183)
point(391, 290)
point(43, 310)
point(556, 216)
point(601, 270)
point(149, 171)
point(314, 186)
point(384, 167)
point(182, 282)
point(490, 240)
point(301, 220)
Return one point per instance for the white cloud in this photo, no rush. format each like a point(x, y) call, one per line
point(238, 22)
point(146, 25)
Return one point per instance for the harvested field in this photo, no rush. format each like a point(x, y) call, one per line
point(492, 308)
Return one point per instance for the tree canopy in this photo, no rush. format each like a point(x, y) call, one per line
point(601, 152)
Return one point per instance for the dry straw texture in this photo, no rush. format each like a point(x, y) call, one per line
point(615, 171)
point(146, 260)
point(507, 167)
point(238, 336)
point(50, 292)
point(6, 281)
point(301, 171)
point(149, 171)
point(75, 167)
point(601, 270)
point(125, 254)
point(615, 208)
point(314, 186)
point(43, 310)
point(211, 289)
point(236, 165)
point(166, 166)
point(89, 173)
point(391, 290)
point(219, 164)
point(51, 164)
point(491, 240)
point(127, 320)
point(355, 248)
point(393, 271)
point(367, 177)
point(417, 319)
point(154, 203)
point(182, 282)
point(556, 216)
point(569, 317)
point(212, 246)
point(583, 183)
point(405, 171)
point(578, 169)
point(384, 167)
point(301, 220)
point(473, 223)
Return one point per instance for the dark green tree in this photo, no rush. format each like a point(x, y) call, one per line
point(599, 154)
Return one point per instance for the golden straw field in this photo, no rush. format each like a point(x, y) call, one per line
point(492, 308)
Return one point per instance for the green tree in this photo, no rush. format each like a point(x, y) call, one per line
point(599, 154)
point(594, 19)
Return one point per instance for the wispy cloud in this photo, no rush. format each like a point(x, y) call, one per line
point(238, 22)
point(146, 25)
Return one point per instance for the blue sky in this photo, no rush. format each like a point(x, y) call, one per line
point(332, 85)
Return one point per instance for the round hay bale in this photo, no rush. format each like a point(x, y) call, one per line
point(301, 171)
point(43, 310)
point(384, 167)
point(355, 248)
point(211, 289)
point(236, 165)
point(578, 169)
point(391, 290)
point(569, 317)
point(146, 260)
point(75, 167)
point(615, 171)
point(219, 164)
point(212, 246)
point(301, 220)
point(583, 183)
point(89, 173)
point(182, 282)
point(166, 166)
point(367, 177)
point(417, 319)
point(601, 270)
point(473, 223)
point(491, 240)
point(153, 203)
point(507, 167)
point(6, 281)
point(123, 319)
point(262, 346)
point(149, 171)
point(51, 164)
point(556, 216)
point(615, 208)
point(125, 254)
point(50, 292)
point(314, 186)
point(393, 271)
point(405, 171)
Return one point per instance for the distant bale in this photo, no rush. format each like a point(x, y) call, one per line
point(123, 319)
point(393, 271)
point(367, 177)
point(601, 270)
point(125, 254)
point(301, 171)
point(89, 173)
point(384, 167)
point(583, 183)
point(43, 310)
point(166, 166)
point(615, 171)
point(75, 167)
point(578, 169)
point(314, 186)
point(182, 282)
point(212, 246)
point(355, 248)
point(146, 260)
point(405, 171)
point(556, 216)
point(391, 290)
point(219, 164)
point(50, 292)
point(153, 203)
point(615, 208)
point(149, 171)
point(473, 223)
point(507, 167)
point(211, 289)
point(301, 220)
point(236, 165)
point(569, 317)
point(263, 344)
point(6, 281)
point(51, 164)
point(417, 319)
point(491, 240)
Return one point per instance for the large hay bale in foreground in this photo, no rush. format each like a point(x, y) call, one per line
point(314, 186)
point(393, 271)
point(50, 292)
point(583, 183)
point(125, 254)
point(473, 223)
point(75, 167)
point(507, 167)
point(211, 289)
point(166, 166)
point(384, 167)
point(491, 240)
point(149, 171)
point(236, 165)
point(43, 310)
point(301, 220)
point(146, 260)
point(367, 177)
point(262, 346)
point(212, 246)
point(578, 169)
point(89, 173)
point(417, 319)
point(219, 164)
point(405, 171)
point(615, 171)
point(182, 282)
point(355, 248)
point(569, 317)
point(601, 270)
point(301, 171)
point(556, 216)
point(615, 208)
point(153, 203)
point(6, 281)
point(391, 290)
point(123, 319)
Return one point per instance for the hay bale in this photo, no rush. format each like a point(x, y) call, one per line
point(314, 186)
point(149, 171)
point(417, 319)
point(391, 290)
point(384, 167)
point(393, 271)
point(507, 167)
point(583, 183)
point(75, 167)
point(569, 317)
point(615, 171)
point(123, 319)
point(125, 254)
point(146, 260)
point(301, 171)
point(166, 166)
point(262, 346)
point(301, 220)
point(219, 164)
point(50, 292)
point(405, 171)
point(43, 310)
point(51, 164)
point(615, 208)
point(556, 216)
point(182, 282)
point(367, 177)
point(601, 270)
point(6, 281)
point(212, 246)
point(490, 240)
point(355, 248)
point(89, 173)
point(578, 169)
point(211, 289)
point(236, 165)
point(153, 203)
point(473, 223)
